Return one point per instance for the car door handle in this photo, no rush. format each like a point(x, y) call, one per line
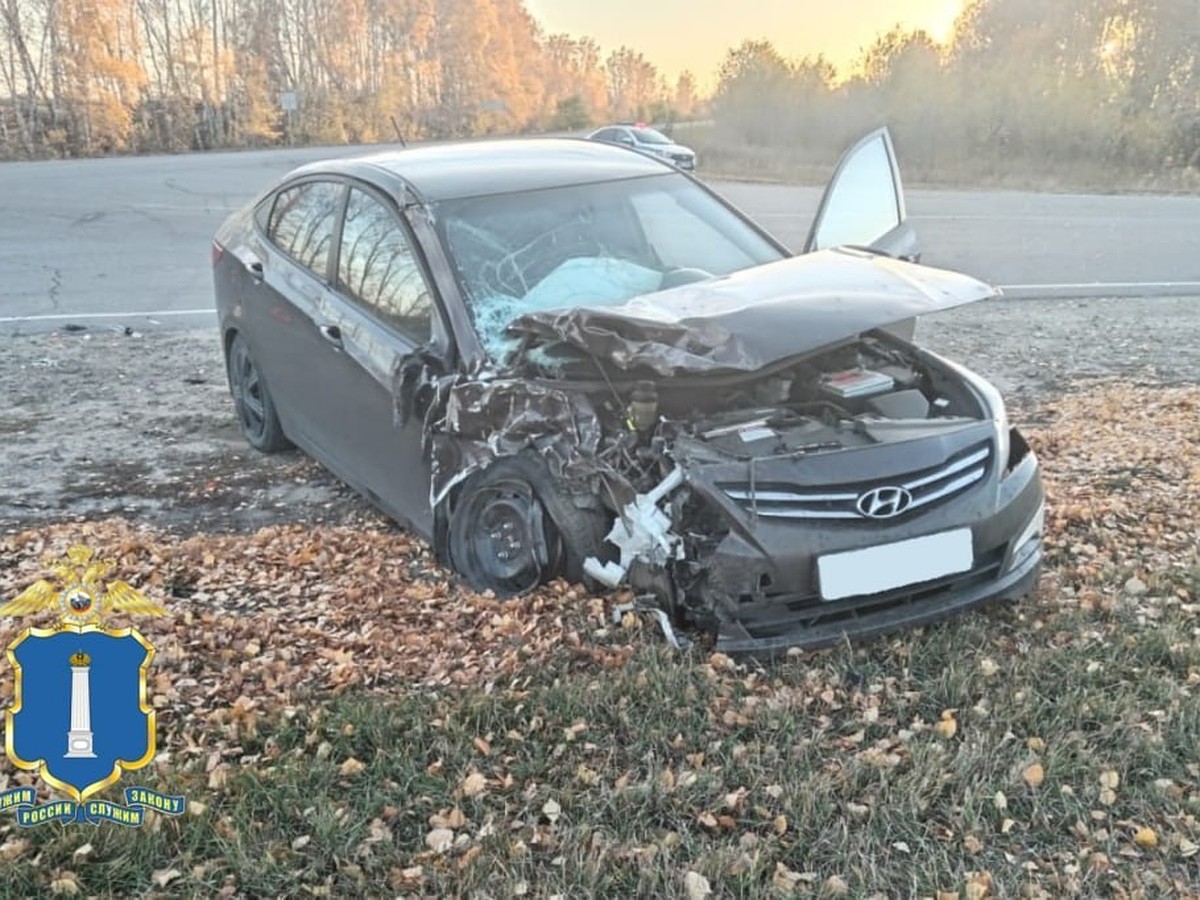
point(255, 268)
point(331, 333)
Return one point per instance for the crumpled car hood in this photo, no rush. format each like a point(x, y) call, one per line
point(752, 318)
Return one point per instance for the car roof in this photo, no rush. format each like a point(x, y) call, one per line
point(478, 168)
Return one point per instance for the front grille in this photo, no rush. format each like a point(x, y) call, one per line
point(927, 486)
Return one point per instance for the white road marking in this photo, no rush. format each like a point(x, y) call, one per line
point(1096, 219)
point(1103, 286)
point(152, 313)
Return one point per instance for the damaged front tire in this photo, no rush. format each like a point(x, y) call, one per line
point(511, 529)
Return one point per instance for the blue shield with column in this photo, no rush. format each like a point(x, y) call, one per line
point(80, 715)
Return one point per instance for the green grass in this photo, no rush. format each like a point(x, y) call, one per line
point(763, 781)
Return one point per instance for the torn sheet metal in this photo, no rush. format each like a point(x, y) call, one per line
point(755, 317)
point(486, 420)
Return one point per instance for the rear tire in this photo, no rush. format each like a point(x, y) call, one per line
point(252, 401)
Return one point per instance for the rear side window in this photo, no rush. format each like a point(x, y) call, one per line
point(302, 222)
point(378, 268)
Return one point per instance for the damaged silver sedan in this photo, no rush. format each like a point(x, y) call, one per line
point(557, 357)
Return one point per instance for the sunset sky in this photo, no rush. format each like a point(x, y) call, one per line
point(694, 34)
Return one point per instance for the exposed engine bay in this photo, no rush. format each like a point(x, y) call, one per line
point(866, 392)
point(869, 391)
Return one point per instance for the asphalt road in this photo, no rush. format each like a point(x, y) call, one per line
point(107, 243)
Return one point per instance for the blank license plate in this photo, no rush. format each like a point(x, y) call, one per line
point(889, 566)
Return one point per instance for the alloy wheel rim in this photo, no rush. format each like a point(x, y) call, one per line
point(248, 393)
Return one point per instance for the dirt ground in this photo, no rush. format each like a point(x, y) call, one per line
point(96, 423)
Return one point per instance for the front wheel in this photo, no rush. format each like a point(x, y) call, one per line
point(513, 526)
point(501, 538)
point(252, 401)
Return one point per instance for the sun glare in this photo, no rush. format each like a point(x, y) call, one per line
point(941, 22)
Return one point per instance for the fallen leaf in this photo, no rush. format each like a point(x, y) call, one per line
point(439, 840)
point(163, 877)
point(64, 883)
point(452, 819)
point(784, 880)
point(1034, 775)
point(696, 886)
point(351, 767)
point(835, 886)
point(13, 848)
point(1146, 838)
point(978, 885)
point(474, 783)
point(946, 727)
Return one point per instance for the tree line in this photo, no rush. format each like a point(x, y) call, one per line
point(83, 77)
point(1021, 85)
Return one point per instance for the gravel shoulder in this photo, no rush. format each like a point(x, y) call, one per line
point(97, 423)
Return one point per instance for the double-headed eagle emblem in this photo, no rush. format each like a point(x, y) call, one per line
point(78, 588)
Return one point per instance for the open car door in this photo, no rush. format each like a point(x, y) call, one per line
point(863, 205)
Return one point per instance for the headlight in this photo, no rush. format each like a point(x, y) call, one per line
point(994, 404)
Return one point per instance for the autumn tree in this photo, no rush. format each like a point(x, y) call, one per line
point(687, 96)
point(633, 84)
point(575, 80)
point(754, 93)
point(95, 70)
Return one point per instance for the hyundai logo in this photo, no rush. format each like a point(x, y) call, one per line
point(883, 502)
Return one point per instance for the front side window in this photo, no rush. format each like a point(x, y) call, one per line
point(378, 268)
point(302, 222)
